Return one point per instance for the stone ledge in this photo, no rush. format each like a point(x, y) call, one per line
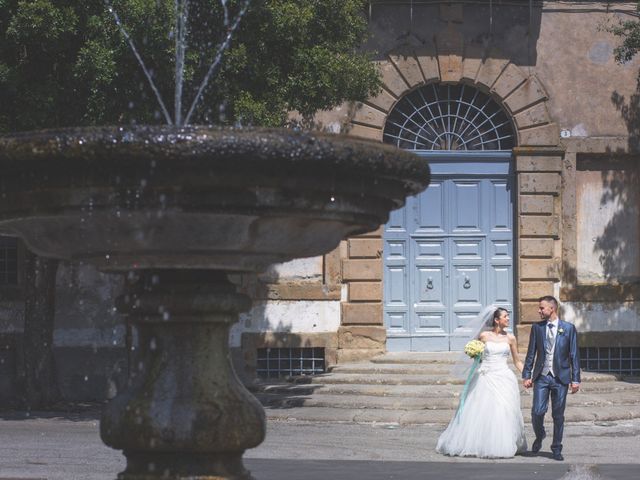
point(301, 291)
point(539, 163)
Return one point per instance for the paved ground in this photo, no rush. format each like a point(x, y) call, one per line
point(55, 448)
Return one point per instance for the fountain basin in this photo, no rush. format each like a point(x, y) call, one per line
point(123, 198)
point(180, 209)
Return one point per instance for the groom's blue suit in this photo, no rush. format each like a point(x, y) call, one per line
point(566, 369)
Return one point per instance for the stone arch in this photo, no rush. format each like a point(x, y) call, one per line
point(408, 67)
point(538, 167)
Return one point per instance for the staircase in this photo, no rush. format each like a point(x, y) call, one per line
point(417, 388)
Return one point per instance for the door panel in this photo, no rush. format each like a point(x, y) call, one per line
point(466, 206)
point(446, 256)
point(430, 205)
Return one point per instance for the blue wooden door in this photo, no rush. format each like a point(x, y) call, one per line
point(449, 252)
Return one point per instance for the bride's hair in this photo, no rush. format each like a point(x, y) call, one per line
point(496, 315)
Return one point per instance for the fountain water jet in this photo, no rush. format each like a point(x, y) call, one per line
point(176, 210)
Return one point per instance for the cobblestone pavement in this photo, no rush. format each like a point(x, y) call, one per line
point(55, 448)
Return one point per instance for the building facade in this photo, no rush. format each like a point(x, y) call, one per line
point(530, 128)
point(531, 131)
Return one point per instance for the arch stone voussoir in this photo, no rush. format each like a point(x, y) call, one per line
point(383, 101)
point(534, 116)
point(450, 48)
point(362, 131)
point(369, 116)
point(405, 61)
point(473, 55)
point(392, 79)
point(490, 70)
point(543, 136)
point(510, 79)
point(426, 56)
point(528, 94)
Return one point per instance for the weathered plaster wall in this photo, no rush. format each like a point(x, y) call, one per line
point(89, 339)
point(575, 62)
point(85, 313)
point(608, 233)
point(297, 316)
point(603, 317)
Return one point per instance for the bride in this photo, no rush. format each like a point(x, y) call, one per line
point(488, 423)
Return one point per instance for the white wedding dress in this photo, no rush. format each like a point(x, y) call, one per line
point(490, 424)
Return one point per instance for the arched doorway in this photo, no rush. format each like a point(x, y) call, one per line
point(449, 251)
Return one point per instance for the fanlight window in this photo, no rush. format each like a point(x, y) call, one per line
point(449, 117)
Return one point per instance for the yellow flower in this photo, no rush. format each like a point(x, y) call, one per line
point(474, 348)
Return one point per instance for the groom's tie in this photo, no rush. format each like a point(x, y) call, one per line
point(549, 337)
point(549, 344)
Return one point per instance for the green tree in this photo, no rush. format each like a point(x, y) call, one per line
point(629, 32)
point(65, 63)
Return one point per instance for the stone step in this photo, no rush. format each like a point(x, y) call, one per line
point(434, 403)
point(422, 391)
point(417, 357)
point(395, 368)
point(414, 379)
point(412, 417)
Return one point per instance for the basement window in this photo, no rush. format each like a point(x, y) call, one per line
point(618, 360)
point(290, 362)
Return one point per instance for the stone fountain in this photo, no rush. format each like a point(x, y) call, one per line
point(176, 210)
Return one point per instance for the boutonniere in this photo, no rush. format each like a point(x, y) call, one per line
point(560, 331)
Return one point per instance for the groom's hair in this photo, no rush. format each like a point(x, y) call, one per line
point(551, 300)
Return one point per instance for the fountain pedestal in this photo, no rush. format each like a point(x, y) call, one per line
point(175, 210)
point(184, 414)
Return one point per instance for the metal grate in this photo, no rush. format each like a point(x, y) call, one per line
point(280, 362)
point(620, 360)
point(449, 117)
point(8, 261)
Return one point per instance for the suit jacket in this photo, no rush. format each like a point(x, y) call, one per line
point(566, 359)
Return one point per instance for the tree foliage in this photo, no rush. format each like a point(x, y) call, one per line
point(64, 62)
point(629, 32)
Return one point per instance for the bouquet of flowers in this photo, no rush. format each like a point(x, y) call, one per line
point(474, 348)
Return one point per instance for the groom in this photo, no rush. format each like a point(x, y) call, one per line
point(554, 346)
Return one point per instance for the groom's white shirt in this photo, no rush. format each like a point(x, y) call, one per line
point(548, 359)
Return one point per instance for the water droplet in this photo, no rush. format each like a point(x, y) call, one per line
point(333, 199)
point(86, 378)
point(152, 344)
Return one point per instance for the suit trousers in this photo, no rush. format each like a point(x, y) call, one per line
point(543, 387)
